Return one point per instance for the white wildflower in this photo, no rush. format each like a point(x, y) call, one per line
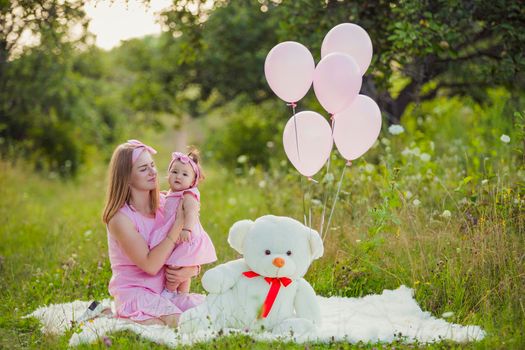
point(262, 184)
point(270, 144)
point(425, 157)
point(416, 202)
point(242, 159)
point(385, 141)
point(395, 129)
point(446, 214)
point(88, 233)
point(408, 194)
point(505, 138)
point(484, 182)
point(369, 168)
point(447, 314)
point(316, 202)
point(328, 178)
point(406, 152)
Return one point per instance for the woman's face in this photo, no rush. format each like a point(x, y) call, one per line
point(144, 173)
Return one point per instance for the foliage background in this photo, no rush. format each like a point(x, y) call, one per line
point(439, 207)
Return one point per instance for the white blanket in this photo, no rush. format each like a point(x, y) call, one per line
point(385, 317)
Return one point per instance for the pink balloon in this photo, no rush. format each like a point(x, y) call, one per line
point(310, 147)
point(289, 70)
point(357, 127)
point(337, 81)
point(350, 39)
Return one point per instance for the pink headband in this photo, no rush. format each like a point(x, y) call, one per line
point(139, 148)
point(185, 159)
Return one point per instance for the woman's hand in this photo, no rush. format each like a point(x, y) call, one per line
point(177, 274)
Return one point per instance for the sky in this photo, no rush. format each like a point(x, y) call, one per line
point(113, 21)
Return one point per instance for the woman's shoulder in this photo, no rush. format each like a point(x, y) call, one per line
point(119, 221)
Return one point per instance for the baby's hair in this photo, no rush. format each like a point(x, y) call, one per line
point(194, 154)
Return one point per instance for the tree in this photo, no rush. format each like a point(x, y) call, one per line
point(51, 106)
point(223, 47)
point(435, 46)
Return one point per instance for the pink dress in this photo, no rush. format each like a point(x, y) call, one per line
point(137, 294)
point(199, 250)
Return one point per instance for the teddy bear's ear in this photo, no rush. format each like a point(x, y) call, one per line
point(316, 244)
point(237, 234)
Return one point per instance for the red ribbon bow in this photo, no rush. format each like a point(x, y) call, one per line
point(275, 285)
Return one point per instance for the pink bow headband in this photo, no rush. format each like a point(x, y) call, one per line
point(185, 159)
point(139, 148)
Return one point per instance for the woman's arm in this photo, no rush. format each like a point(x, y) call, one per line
point(134, 246)
point(191, 215)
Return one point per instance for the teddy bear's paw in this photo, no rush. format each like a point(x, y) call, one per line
point(213, 282)
point(294, 327)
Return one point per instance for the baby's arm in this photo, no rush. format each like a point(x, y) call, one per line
point(191, 216)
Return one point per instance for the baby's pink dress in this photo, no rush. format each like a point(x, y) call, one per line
point(199, 250)
point(137, 294)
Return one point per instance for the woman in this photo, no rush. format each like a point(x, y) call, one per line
point(132, 211)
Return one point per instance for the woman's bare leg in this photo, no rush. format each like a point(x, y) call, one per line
point(171, 320)
point(152, 321)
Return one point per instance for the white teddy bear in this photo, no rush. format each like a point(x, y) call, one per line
point(265, 289)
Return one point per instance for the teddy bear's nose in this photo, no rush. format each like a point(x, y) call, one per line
point(279, 262)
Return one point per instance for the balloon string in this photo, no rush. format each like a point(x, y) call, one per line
point(335, 199)
point(310, 203)
point(304, 205)
point(312, 180)
point(307, 218)
point(325, 199)
point(293, 104)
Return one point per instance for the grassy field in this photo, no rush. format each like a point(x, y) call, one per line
point(439, 208)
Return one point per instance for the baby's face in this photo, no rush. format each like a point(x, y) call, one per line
point(181, 176)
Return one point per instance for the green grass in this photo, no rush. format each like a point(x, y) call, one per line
point(53, 244)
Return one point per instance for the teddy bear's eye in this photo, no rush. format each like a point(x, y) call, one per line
point(267, 252)
point(289, 253)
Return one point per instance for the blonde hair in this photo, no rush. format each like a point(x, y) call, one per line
point(119, 176)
